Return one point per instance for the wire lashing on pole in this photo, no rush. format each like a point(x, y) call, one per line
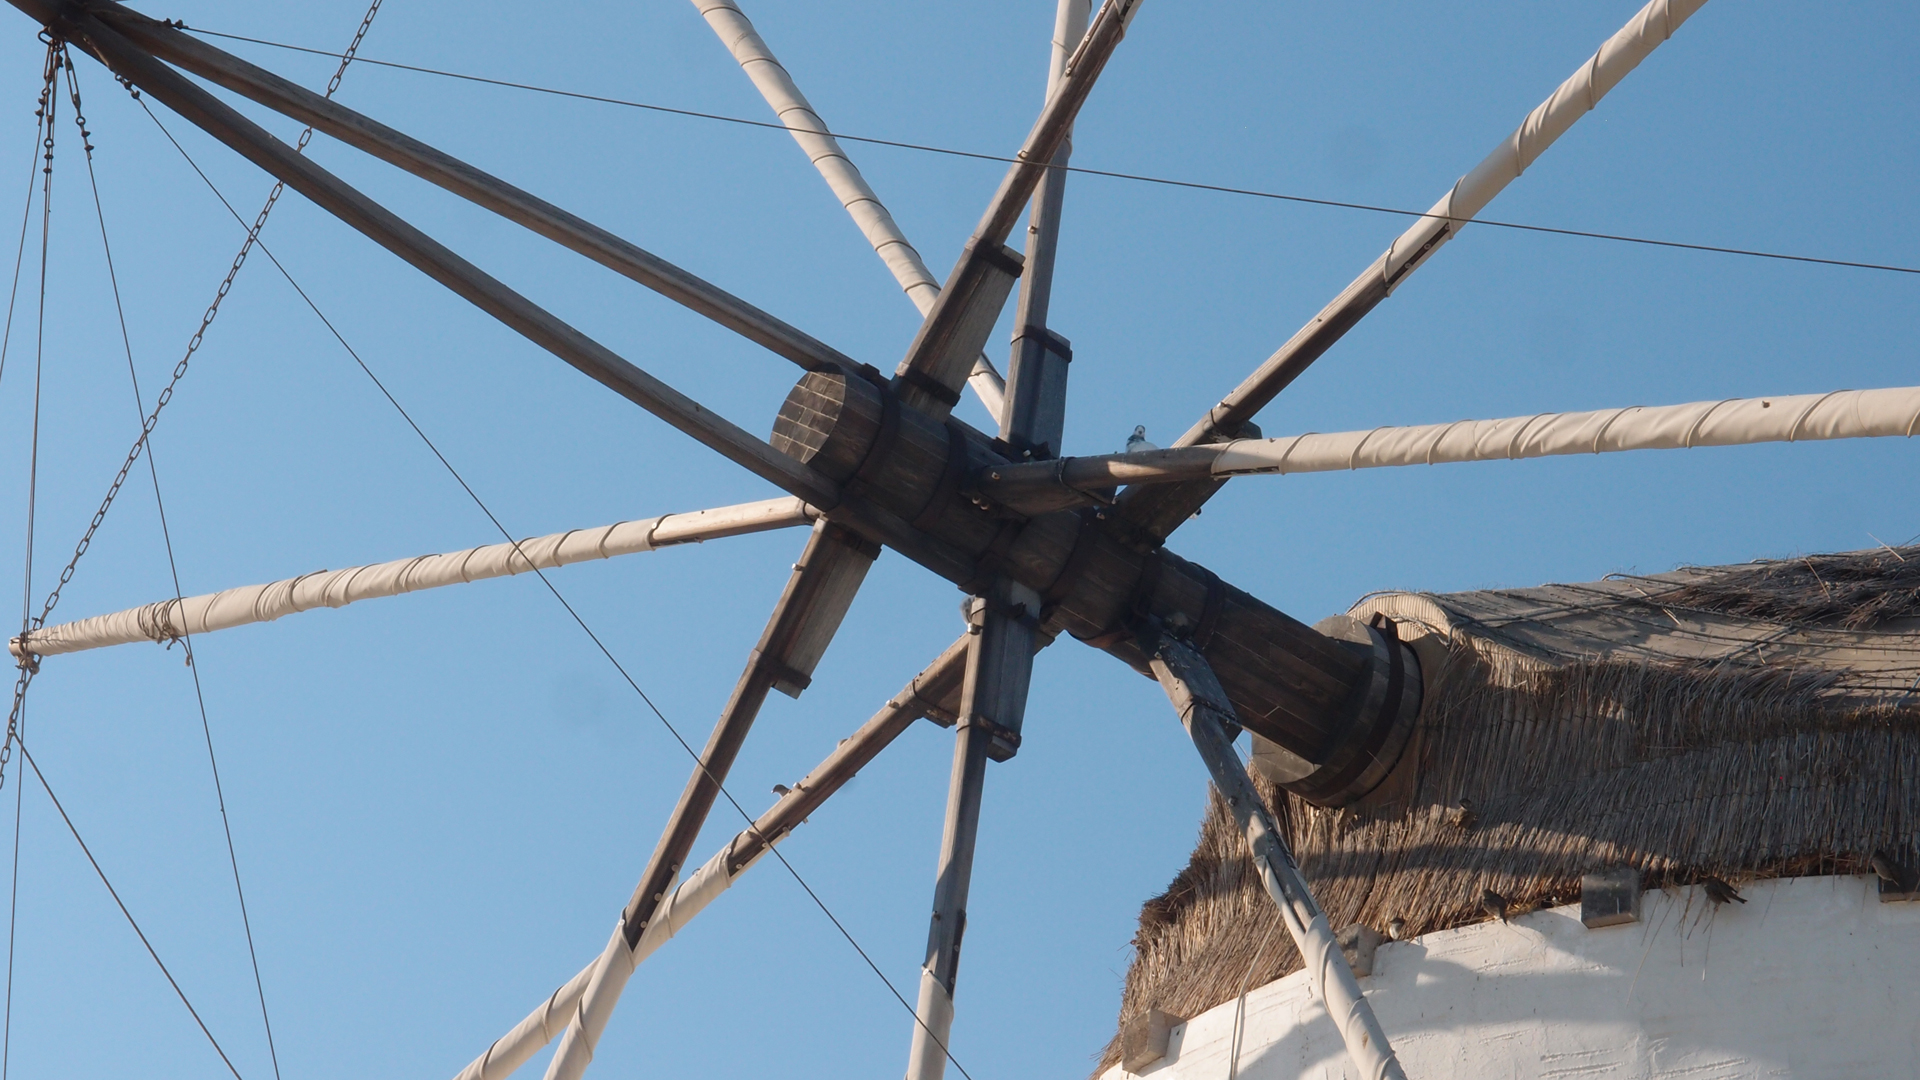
point(193, 346)
point(56, 55)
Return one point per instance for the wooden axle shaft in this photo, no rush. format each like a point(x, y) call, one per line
point(1336, 706)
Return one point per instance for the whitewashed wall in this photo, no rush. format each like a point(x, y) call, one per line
point(1813, 977)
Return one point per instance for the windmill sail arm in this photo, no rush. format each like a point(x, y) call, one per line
point(468, 182)
point(771, 78)
point(1158, 511)
point(976, 289)
point(1840, 414)
point(869, 214)
point(1574, 98)
point(169, 620)
point(1549, 120)
point(934, 693)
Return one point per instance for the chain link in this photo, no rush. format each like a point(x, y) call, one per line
point(44, 127)
point(193, 346)
point(56, 57)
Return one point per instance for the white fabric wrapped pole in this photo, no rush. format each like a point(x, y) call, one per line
point(616, 964)
point(545, 1023)
point(934, 692)
point(1576, 97)
point(1841, 414)
point(816, 139)
point(542, 1026)
point(169, 620)
point(1583, 90)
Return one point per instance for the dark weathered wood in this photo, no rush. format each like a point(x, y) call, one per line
point(1034, 418)
point(1040, 486)
point(942, 353)
point(432, 258)
point(809, 608)
point(1290, 683)
point(1035, 424)
point(931, 375)
point(934, 693)
point(1056, 118)
point(832, 573)
point(830, 422)
point(475, 185)
point(1006, 621)
point(899, 459)
point(1159, 509)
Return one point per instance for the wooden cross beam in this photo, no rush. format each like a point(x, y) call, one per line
point(855, 446)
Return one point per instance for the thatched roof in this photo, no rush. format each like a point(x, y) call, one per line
point(1745, 722)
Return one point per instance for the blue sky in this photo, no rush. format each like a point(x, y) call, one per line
point(440, 802)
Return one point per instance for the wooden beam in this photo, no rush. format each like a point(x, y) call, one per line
point(474, 185)
point(1209, 718)
point(385, 228)
point(938, 361)
point(1156, 512)
point(934, 693)
point(1003, 633)
point(1039, 486)
point(811, 607)
point(1036, 401)
point(1292, 683)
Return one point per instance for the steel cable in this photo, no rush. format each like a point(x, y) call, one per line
point(1163, 181)
point(166, 536)
point(43, 137)
point(564, 603)
point(200, 700)
point(122, 904)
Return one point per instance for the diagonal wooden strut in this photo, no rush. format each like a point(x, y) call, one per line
point(1207, 715)
point(428, 255)
point(481, 188)
point(942, 353)
point(934, 693)
point(1157, 512)
point(810, 610)
point(810, 132)
point(1004, 620)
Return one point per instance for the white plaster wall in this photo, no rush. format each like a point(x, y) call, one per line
point(1813, 977)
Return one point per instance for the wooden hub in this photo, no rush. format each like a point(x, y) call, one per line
point(1339, 706)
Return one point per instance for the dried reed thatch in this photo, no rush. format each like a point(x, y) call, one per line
point(1858, 590)
point(1744, 722)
